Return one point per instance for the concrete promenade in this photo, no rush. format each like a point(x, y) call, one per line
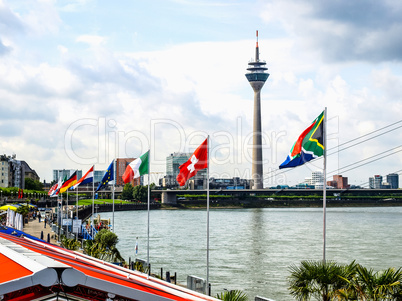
point(34, 228)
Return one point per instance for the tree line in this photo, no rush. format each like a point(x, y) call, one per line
point(137, 193)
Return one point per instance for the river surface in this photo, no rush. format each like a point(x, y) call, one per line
point(252, 249)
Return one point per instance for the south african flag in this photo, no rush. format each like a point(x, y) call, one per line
point(309, 145)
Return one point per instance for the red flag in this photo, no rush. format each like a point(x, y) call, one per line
point(198, 161)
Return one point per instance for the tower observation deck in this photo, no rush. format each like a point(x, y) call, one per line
point(257, 76)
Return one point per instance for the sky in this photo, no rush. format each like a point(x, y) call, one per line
point(85, 81)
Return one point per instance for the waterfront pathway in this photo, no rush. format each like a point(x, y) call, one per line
point(34, 228)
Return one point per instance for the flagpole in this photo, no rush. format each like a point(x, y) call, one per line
point(58, 216)
point(61, 213)
point(67, 215)
point(93, 204)
point(76, 210)
point(207, 286)
point(149, 195)
point(325, 181)
point(114, 182)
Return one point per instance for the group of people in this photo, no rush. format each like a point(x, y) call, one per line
point(37, 214)
point(97, 226)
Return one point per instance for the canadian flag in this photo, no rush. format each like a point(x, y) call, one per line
point(198, 161)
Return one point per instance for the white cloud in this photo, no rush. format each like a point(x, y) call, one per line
point(92, 40)
point(42, 18)
point(190, 89)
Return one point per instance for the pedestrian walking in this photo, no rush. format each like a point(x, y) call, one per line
point(45, 221)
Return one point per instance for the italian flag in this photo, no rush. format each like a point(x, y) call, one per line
point(136, 168)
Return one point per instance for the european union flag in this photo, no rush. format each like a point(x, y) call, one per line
point(107, 177)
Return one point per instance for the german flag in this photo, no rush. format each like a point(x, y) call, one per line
point(69, 183)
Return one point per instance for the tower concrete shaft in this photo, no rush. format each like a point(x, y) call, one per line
point(257, 77)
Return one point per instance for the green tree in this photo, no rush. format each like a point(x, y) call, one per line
point(140, 193)
point(106, 238)
point(70, 244)
point(383, 285)
point(31, 184)
point(127, 193)
point(104, 246)
point(330, 281)
point(317, 279)
point(234, 295)
point(23, 210)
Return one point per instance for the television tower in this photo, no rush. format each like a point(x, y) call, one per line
point(257, 76)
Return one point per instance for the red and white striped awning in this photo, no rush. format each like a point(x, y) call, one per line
point(32, 270)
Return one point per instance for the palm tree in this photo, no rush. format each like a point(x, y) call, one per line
point(330, 281)
point(351, 289)
point(103, 246)
point(317, 279)
point(383, 285)
point(233, 295)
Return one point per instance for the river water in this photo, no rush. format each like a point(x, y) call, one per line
point(252, 249)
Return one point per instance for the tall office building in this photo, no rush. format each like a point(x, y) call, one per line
point(257, 76)
point(65, 173)
point(375, 182)
point(172, 171)
point(317, 177)
point(5, 174)
point(339, 182)
point(393, 180)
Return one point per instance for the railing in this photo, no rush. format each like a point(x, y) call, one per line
point(88, 234)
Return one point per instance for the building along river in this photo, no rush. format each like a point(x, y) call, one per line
point(252, 249)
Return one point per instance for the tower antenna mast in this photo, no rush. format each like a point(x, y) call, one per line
point(257, 76)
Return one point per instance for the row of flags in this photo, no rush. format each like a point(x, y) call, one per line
point(308, 146)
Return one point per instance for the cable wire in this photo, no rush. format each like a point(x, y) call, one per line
point(368, 134)
point(368, 159)
point(366, 162)
point(362, 141)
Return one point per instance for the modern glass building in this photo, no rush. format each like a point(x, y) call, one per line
point(172, 169)
point(62, 173)
point(393, 180)
point(375, 182)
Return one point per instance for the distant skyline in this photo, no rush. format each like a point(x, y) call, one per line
point(86, 81)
